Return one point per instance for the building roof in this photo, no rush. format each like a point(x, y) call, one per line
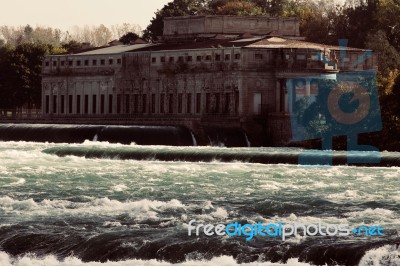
point(116, 49)
point(261, 42)
point(278, 42)
point(204, 44)
point(256, 42)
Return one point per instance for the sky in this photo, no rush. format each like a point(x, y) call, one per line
point(66, 14)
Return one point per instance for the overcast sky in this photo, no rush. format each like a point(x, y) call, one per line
point(67, 13)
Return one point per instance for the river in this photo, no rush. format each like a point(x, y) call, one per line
point(72, 210)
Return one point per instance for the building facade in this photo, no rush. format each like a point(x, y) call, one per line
point(219, 71)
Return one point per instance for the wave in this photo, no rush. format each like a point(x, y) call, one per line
point(17, 181)
point(138, 232)
point(178, 213)
point(262, 156)
point(142, 211)
point(6, 260)
point(387, 255)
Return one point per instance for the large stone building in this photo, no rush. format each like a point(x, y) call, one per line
point(210, 71)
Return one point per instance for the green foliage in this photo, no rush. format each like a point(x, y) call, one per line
point(129, 38)
point(173, 9)
point(386, 81)
point(14, 36)
point(389, 57)
point(387, 19)
point(272, 8)
point(20, 75)
point(360, 20)
point(394, 97)
point(237, 8)
point(58, 50)
point(72, 47)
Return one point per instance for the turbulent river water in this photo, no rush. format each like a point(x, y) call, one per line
point(73, 210)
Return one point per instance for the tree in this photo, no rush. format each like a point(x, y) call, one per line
point(360, 21)
point(72, 47)
point(20, 75)
point(129, 38)
point(387, 20)
point(95, 35)
point(11, 35)
point(101, 35)
point(389, 57)
point(5, 92)
point(28, 30)
point(235, 7)
point(119, 30)
point(19, 35)
point(31, 81)
point(14, 79)
point(272, 8)
point(173, 9)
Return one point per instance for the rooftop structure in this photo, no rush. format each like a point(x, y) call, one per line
point(206, 26)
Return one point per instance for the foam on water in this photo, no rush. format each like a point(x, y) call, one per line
point(6, 260)
point(119, 188)
point(112, 224)
point(143, 209)
point(377, 215)
point(388, 255)
point(351, 194)
point(385, 218)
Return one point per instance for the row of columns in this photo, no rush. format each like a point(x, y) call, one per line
point(79, 104)
point(139, 103)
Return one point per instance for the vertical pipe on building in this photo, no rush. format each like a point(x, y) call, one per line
point(58, 99)
point(278, 96)
point(66, 107)
point(290, 92)
point(242, 97)
point(285, 91)
point(43, 100)
point(157, 100)
point(308, 87)
point(114, 99)
point(90, 97)
point(74, 100)
point(51, 99)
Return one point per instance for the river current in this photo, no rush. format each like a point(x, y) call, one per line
point(73, 210)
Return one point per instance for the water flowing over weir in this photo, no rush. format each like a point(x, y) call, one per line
point(226, 137)
point(189, 154)
point(141, 135)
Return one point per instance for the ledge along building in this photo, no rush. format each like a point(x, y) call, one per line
point(211, 74)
